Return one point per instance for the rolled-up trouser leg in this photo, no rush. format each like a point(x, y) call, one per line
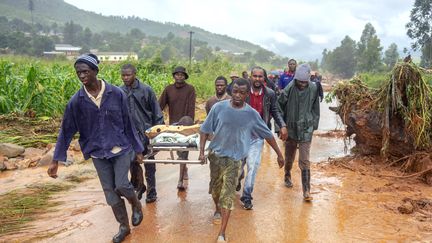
point(290, 153)
point(223, 180)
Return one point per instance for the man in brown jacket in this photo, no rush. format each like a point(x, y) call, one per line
point(180, 98)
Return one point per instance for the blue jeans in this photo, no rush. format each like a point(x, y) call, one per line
point(253, 161)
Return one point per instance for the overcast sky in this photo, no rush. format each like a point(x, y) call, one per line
point(296, 29)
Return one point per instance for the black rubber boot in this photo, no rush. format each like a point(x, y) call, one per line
point(121, 216)
point(137, 214)
point(305, 174)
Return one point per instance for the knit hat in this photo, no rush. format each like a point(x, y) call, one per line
point(302, 72)
point(180, 69)
point(90, 59)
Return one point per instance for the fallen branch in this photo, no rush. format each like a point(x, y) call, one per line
point(346, 166)
point(398, 160)
point(408, 176)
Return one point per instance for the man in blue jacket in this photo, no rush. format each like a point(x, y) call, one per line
point(145, 111)
point(99, 112)
point(288, 74)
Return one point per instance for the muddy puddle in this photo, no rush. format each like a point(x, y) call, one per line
point(347, 206)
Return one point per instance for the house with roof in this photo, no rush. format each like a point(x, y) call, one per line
point(116, 56)
point(71, 52)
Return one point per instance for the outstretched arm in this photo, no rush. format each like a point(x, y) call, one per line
point(203, 139)
point(275, 147)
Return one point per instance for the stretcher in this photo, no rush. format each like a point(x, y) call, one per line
point(155, 146)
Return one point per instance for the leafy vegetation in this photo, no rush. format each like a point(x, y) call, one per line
point(43, 88)
point(420, 30)
point(405, 94)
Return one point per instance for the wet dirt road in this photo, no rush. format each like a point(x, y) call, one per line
point(347, 207)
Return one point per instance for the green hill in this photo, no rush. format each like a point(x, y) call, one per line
point(47, 12)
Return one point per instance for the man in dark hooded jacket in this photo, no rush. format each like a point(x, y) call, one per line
point(299, 105)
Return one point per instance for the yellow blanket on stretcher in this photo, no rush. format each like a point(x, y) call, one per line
point(184, 130)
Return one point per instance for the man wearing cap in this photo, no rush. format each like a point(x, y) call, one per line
point(145, 111)
point(233, 76)
point(299, 104)
point(99, 112)
point(180, 98)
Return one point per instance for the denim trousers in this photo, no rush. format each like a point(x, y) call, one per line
point(253, 161)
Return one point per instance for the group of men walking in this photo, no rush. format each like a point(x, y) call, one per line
point(111, 122)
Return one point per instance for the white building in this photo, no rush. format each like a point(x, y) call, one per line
point(116, 56)
point(70, 51)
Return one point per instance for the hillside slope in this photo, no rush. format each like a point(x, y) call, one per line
point(57, 11)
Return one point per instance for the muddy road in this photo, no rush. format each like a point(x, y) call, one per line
point(348, 205)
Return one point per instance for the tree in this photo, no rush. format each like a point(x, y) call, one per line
point(420, 29)
point(54, 28)
point(203, 53)
point(71, 33)
point(369, 50)
point(391, 55)
point(342, 60)
point(324, 59)
point(426, 60)
point(137, 34)
point(41, 44)
point(262, 55)
point(86, 37)
point(167, 53)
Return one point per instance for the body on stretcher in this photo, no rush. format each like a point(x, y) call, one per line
point(172, 142)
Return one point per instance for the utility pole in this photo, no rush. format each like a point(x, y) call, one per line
point(31, 8)
point(190, 49)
